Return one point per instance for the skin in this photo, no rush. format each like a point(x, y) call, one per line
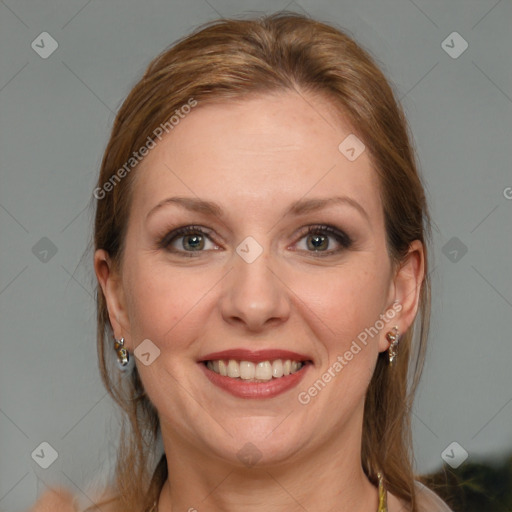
point(254, 158)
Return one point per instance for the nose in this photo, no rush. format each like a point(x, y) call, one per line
point(254, 296)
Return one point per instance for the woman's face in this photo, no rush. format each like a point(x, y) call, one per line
point(251, 282)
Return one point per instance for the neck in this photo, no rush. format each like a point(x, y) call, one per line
point(324, 478)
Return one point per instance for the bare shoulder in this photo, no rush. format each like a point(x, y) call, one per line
point(55, 500)
point(61, 500)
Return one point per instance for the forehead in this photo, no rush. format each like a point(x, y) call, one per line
point(263, 152)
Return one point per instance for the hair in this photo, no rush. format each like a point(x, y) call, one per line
point(231, 59)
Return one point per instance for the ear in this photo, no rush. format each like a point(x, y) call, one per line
point(406, 288)
point(111, 284)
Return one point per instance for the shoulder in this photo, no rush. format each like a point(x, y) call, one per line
point(428, 500)
point(61, 500)
point(55, 500)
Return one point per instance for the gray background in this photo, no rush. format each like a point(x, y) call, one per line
point(56, 115)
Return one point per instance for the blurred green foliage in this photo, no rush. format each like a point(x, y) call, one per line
point(475, 486)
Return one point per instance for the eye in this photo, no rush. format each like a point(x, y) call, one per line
point(318, 240)
point(187, 239)
point(193, 240)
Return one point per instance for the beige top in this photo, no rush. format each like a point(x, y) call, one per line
point(429, 501)
point(56, 500)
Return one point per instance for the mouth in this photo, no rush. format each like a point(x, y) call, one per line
point(248, 374)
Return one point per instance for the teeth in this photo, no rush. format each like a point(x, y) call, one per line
point(263, 371)
point(277, 368)
point(233, 369)
point(247, 370)
point(223, 369)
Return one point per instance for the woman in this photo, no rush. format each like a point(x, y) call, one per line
point(261, 252)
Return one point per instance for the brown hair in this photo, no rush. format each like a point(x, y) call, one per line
point(231, 58)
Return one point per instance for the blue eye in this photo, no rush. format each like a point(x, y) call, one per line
point(195, 239)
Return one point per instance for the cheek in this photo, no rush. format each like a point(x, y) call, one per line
point(349, 304)
point(153, 304)
point(162, 299)
point(348, 300)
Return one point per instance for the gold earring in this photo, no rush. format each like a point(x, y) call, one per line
point(393, 338)
point(123, 356)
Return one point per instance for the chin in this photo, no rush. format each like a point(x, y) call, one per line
point(260, 446)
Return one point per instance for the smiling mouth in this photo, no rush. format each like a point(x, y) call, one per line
point(248, 371)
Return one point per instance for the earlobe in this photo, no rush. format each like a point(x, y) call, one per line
point(110, 283)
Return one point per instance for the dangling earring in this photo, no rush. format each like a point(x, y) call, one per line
point(393, 338)
point(123, 356)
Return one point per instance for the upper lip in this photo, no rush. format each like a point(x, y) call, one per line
point(240, 354)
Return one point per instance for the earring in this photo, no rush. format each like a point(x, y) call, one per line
point(393, 338)
point(122, 354)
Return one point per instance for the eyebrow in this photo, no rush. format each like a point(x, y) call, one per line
point(299, 207)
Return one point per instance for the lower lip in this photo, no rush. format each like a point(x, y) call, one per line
point(244, 389)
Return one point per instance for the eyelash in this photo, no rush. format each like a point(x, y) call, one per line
point(342, 238)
